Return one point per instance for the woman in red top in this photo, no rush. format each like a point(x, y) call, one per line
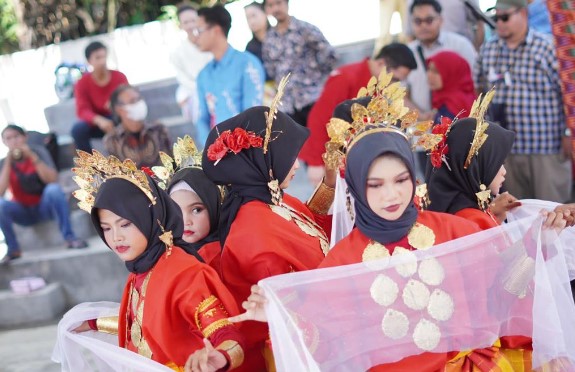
point(200, 200)
point(264, 231)
point(451, 84)
point(188, 305)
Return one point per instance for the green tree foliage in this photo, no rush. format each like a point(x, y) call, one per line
point(46, 22)
point(8, 28)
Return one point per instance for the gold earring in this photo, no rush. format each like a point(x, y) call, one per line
point(348, 204)
point(167, 238)
point(422, 196)
point(483, 197)
point(276, 192)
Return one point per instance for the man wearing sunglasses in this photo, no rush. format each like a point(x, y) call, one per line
point(426, 21)
point(522, 66)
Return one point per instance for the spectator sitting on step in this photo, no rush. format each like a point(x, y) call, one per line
point(92, 93)
point(31, 176)
point(134, 138)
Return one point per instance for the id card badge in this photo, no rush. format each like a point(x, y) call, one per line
point(492, 76)
point(507, 78)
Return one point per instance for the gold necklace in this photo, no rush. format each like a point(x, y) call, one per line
point(136, 307)
point(419, 237)
point(304, 222)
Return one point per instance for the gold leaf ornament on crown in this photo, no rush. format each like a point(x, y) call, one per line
point(186, 155)
point(478, 110)
point(276, 102)
point(92, 170)
point(385, 112)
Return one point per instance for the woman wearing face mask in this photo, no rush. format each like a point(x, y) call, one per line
point(134, 138)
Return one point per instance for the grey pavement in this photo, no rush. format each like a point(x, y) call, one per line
point(30, 349)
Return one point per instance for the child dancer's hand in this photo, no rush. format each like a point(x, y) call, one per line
point(207, 359)
point(502, 204)
point(568, 211)
point(554, 220)
point(254, 307)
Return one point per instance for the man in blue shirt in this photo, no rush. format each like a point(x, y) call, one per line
point(232, 82)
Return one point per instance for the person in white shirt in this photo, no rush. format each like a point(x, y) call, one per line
point(456, 18)
point(188, 61)
point(429, 39)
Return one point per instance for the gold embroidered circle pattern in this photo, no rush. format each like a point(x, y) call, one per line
point(415, 295)
point(421, 236)
point(440, 305)
point(373, 252)
point(409, 267)
point(384, 290)
point(395, 324)
point(426, 335)
point(431, 272)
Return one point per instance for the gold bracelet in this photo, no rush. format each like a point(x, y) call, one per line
point(322, 199)
point(235, 352)
point(107, 324)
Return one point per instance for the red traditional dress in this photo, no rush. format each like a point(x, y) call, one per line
point(350, 250)
point(212, 255)
point(262, 243)
point(167, 312)
point(483, 220)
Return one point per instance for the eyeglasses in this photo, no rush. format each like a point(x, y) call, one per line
point(503, 17)
point(198, 31)
point(420, 21)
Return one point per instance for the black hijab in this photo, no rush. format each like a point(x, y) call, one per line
point(210, 195)
point(452, 191)
point(359, 159)
point(247, 173)
point(127, 201)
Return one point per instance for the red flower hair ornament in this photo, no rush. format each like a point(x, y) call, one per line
point(439, 153)
point(233, 142)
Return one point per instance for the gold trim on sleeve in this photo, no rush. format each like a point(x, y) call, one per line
point(322, 199)
point(235, 352)
point(108, 324)
point(213, 327)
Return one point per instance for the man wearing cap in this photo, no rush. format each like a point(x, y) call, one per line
point(522, 66)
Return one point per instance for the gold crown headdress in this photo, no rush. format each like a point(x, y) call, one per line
point(186, 155)
point(478, 110)
point(384, 113)
point(92, 170)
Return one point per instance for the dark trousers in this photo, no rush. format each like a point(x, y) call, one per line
point(300, 116)
point(82, 132)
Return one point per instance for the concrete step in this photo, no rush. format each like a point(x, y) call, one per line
point(47, 233)
point(40, 306)
point(91, 274)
